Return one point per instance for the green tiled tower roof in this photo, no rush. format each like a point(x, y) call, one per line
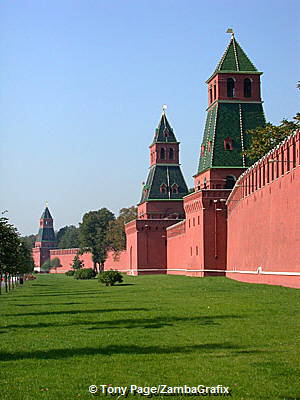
point(165, 181)
point(164, 133)
point(235, 60)
point(229, 120)
point(167, 176)
point(46, 231)
point(46, 214)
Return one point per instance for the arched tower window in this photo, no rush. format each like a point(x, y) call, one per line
point(247, 87)
point(162, 154)
point(210, 94)
point(230, 181)
point(163, 188)
point(230, 87)
point(166, 132)
point(171, 154)
point(175, 188)
point(228, 144)
point(215, 91)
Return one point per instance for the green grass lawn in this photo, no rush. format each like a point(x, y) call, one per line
point(59, 336)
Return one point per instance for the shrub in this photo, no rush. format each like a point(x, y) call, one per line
point(109, 278)
point(86, 273)
point(70, 272)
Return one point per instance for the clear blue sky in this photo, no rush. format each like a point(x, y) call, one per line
point(83, 82)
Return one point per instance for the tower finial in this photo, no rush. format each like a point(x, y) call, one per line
point(46, 204)
point(230, 30)
point(164, 107)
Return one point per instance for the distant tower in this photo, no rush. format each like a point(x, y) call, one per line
point(234, 106)
point(165, 186)
point(45, 239)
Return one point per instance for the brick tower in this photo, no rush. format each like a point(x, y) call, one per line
point(165, 186)
point(234, 106)
point(161, 204)
point(45, 240)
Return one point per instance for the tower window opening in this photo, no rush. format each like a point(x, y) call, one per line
point(175, 188)
point(228, 144)
point(163, 188)
point(230, 181)
point(215, 91)
point(247, 87)
point(209, 146)
point(202, 150)
point(210, 95)
point(166, 132)
point(171, 154)
point(162, 154)
point(230, 87)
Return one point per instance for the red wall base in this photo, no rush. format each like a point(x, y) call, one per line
point(288, 281)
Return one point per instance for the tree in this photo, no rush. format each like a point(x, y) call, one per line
point(29, 241)
point(77, 263)
point(25, 261)
point(15, 257)
point(93, 235)
point(68, 237)
point(46, 266)
point(116, 234)
point(55, 263)
point(264, 139)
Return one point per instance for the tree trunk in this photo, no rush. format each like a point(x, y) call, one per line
point(5, 280)
point(9, 282)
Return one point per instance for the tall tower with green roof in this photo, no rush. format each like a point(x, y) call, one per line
point(165, 186)
point(234, 106)
point(45, 239)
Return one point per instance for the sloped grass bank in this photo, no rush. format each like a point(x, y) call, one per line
point(59, 336)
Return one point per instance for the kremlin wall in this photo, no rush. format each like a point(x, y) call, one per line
point(241, 221)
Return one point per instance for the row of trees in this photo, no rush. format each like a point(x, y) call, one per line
point(15, 256)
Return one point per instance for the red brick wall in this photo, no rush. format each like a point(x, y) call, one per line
point(264, 220)
point(147, 245)
point(176, 249)
point(66, 257)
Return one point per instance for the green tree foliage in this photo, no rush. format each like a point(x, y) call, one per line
point(109, 278)
point(68, 237)
point(15, 257)
point(29, 240)
point(46, 266)
point(116, 234)
point(86, 273)
point(93, 235)
point(77, 263)
point(264, 139)
point(55, 262)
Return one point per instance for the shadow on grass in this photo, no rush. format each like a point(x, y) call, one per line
point(45, 304)
point(49, 293)
point(105, 310)
point(133, 323)
point(112, 350)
